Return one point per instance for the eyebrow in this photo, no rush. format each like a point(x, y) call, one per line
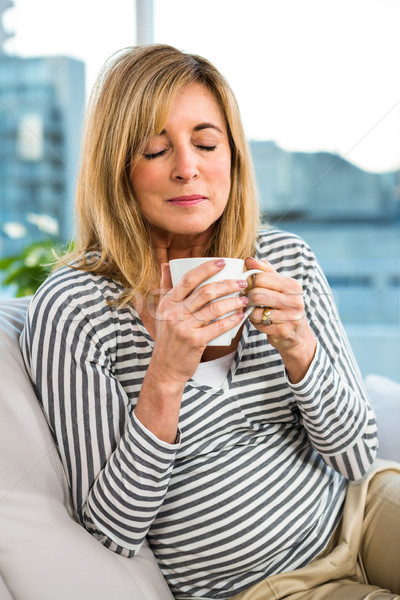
point(198, 127)
point(207, 126)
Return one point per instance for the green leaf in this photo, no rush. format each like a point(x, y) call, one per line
point(7, 261)
point(27, 270)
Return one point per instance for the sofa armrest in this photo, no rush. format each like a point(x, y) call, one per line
point(384, 395)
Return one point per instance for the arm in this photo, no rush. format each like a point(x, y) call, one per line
point(326, 382)
point(118, 457)
point(331, 398)
point(118, 471)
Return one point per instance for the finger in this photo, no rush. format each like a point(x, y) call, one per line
point(264, 265)
point(269, 282)
point(220, 308)
point(193, 278)
point(260, 296)
point(216, 328)
point(277, 317)
point(213, 291)
point(271, 279)
point(257, 314)
point(166, 281)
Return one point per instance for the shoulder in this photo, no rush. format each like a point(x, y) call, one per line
point(73, 294)
point(282, 248)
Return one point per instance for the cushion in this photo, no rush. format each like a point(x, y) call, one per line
point(384, 395)
point(44, 552)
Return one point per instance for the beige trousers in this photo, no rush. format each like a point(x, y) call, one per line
point(362, 560)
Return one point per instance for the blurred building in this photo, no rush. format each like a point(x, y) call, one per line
point(351, 220)
point(322, 187)
point(41, 108)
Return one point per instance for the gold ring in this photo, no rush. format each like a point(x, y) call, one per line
point(266, 316)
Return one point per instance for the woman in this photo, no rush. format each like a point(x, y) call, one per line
point(233, 461)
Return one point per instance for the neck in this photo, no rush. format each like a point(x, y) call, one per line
point(168, 246)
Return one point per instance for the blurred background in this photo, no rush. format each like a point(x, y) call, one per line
point(318, 87)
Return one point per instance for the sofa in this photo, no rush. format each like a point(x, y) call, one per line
point(45, 554)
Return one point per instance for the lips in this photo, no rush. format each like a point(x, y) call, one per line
point(186, 200)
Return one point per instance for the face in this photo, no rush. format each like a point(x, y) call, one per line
point(182, 181)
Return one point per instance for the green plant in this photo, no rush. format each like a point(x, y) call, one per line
point(28, 269)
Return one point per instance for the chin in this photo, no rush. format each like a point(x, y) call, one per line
point(191, 231)
point(191, 227)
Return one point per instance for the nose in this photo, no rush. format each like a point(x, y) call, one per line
point(185, 166)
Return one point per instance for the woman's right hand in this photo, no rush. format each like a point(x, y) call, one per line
point(185, 318)
point(185, 323)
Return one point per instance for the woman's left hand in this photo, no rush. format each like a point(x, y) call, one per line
point(289, 331)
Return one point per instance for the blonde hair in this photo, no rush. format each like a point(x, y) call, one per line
point(129, 103)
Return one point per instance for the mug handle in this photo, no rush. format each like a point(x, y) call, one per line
point(247, 274)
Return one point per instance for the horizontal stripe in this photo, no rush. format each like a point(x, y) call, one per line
point(255, 485)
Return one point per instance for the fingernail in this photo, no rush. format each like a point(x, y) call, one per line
point(244, 300)
point(242, 283)
point(220, 263)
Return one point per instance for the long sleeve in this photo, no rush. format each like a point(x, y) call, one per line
point(334, 409)
point(118, 471)
point(257, 483)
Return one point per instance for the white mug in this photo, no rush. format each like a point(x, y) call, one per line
point(233, 269)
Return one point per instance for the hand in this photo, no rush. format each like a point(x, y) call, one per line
point(185, 319)
point(289, 331)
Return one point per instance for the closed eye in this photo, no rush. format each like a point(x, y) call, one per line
point(207, 148)
point(155, 155)
point(151, 156)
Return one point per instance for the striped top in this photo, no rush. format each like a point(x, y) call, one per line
point(255, 484)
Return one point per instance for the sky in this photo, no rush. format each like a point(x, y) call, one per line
point(311, 75)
